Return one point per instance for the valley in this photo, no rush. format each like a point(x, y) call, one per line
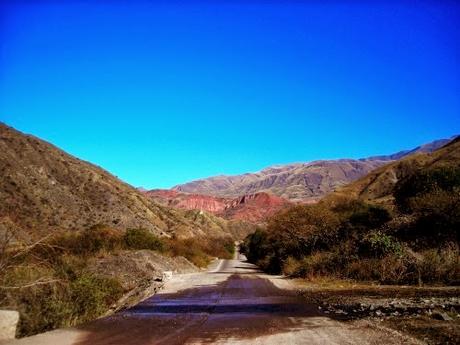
point(232, 303)
point(91, 256)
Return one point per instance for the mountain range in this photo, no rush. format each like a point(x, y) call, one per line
point(299, 182)
point(43, 189)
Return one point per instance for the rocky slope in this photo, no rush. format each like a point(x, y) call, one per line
point(303, 181)
point(295, 181)
point(254, 208)
point(379, 184)
point(188, 201)
point(43, 189)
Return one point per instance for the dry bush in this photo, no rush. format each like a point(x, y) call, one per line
point(291, 266)
point(319, 264)
point(200, 251)
point(143, 239)
point(440, 265)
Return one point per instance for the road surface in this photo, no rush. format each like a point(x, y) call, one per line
point(231, 303)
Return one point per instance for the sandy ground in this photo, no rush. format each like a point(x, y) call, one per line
point(231, 303)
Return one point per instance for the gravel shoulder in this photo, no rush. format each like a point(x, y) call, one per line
point(430, 314)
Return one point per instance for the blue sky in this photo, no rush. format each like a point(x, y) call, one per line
point(160, 93)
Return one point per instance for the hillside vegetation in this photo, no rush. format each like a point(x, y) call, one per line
point(76, 242)
point(398, 225)
point(72, 277)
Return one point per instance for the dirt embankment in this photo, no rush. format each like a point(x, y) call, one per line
point(141, 273)
point(430, 314)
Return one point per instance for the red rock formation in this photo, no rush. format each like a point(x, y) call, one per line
point(188, 201)
point(254, 208)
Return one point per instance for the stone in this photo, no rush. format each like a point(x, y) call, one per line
point(167, 275)
point(8, 322)
point(439, 315)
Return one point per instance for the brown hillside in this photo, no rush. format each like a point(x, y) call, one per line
point(305, 182)
point(379, 184)
point(43, 189)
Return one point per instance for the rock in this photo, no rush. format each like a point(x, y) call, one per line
point(439, 315)
point(8, 321)
point(167, 275)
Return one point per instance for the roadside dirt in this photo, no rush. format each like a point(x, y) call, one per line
point(432, 315)
point(141, 273)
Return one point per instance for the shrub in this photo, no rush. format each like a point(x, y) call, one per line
point(424, 182)
point(142, 239)
point(436, 220)
point(200, 250)
point(370, 217)
point(96, 238)
point(320, 264)
point(91, 295)
point(304, 229)
point(291, 266)
point(65, 300)
point(378, 244)
point(255, 245)
point(390, 269)
point(190, 249)
point(440, 265)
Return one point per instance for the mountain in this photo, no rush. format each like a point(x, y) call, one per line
point(299, 181)
point(293, 181)
point(378, 186)
point(254, 208)
point(425, 148)
point(43, 190)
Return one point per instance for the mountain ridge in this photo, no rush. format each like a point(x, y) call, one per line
point(299, 182)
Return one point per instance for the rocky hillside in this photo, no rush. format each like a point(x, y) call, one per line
point(43, 189)
point(254, 208)
point(298, 182)
point(188, 201)
point(379, 184)
point(294, 181)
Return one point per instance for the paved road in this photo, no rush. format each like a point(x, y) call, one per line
point(232, 303)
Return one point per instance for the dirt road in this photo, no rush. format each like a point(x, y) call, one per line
point(232, 303)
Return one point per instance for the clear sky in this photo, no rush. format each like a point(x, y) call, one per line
point(160, 93)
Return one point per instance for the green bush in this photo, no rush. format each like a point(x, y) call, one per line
point(91, 295)
point(142, 239)
point(378, 244)
point(66, 300)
